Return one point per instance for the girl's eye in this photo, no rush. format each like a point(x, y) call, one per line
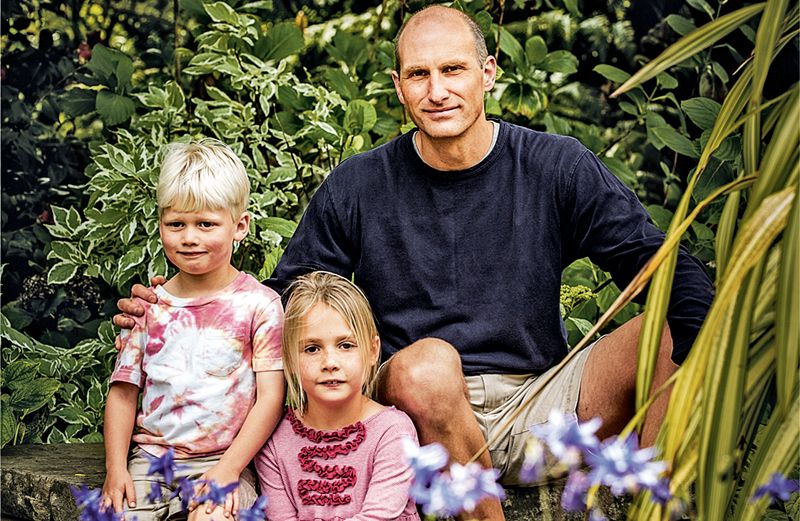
point(348, 345)
point(310, 349)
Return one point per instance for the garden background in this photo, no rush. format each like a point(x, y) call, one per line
point(705, 132)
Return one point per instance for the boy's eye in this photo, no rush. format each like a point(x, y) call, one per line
point(206, 224)
point(174, 225)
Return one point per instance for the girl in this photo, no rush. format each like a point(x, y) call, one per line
point(336, 454)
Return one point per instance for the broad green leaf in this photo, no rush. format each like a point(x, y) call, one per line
point(8, 425)
point(349, 50)
point(702, 5)
point(691, 44)
point(702, 111)
point(78, 101)
point(510, 46)
point(559, 61)
point(282, 40)
point(113, 108)
point(676, 141)
point(359, 117)
point(222, 12)
point(61, 272)
point(667, 81)
point(73, 414)
point(612, 73)
point(103, 61)
point(283, 227)
point(34, 394)
point(680, 24)
point(341, 83)
point(124, 71)
point(535, 49)
point(133, 258)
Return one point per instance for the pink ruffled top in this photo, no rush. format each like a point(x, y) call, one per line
point(356, 473)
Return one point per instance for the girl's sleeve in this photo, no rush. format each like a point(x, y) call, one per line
point(273, 485)
point(387, 492)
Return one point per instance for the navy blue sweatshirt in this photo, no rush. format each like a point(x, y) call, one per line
point(475, 256)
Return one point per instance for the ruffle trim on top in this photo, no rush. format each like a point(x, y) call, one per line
point(335, 479)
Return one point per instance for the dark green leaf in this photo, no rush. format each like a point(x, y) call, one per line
point(510, 46)
point(8, 425)
point(73, 414)
point(559, 61)
point(612, 73)
point(61, 272)
point(680, 24)
point(34, 394)
point(702, 111)
point(348, 49)
point(535, 49)
point(359, 117)
point(283, 227)
point(77, 102)
point(103, 61)
point(113, 108)
point(282, 40)
point(676, 141)
point(19, 373)
point(341, 83)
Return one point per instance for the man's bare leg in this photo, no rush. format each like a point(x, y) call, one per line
point(425, 381)
point(608, 384)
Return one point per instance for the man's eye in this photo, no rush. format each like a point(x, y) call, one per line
point(452, 68)
point(416, 74)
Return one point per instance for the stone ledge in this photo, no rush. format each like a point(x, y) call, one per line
point(35, 484)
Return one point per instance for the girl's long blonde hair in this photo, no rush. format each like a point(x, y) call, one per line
point(350, 302)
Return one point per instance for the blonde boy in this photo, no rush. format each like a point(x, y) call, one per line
point(206, 356)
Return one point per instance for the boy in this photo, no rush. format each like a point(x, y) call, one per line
point(207, 356)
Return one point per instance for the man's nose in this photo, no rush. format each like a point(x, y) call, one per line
point(437, 88)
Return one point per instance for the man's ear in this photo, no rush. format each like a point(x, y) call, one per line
point(489, 73)
point(396, 80)
point(242, 226)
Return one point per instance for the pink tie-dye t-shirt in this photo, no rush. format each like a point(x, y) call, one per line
point(195, 361)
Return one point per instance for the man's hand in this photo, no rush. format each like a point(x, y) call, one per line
point(129, 306)
point(118, 487)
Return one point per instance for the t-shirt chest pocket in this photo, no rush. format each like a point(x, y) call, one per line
point(222, 351)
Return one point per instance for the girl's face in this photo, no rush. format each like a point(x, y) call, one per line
point(331, 361)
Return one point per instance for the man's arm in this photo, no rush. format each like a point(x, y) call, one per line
point(257, 427)
point(117, 429)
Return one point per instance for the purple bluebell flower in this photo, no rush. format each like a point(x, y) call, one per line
point(533, 464)
point(567, 439)
point(85, 496)
point(165, 465)
point(216, 494)
point(623, 467)
point(573, 499)
point(660, 492)
point(92, 506)
point(777, 488)
point(255, 513)
point(154, 496)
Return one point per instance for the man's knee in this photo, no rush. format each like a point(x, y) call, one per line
point(422, 376)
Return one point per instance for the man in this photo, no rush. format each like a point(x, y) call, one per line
point(458, 233)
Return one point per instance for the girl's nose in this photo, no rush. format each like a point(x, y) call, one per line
point(330, 361)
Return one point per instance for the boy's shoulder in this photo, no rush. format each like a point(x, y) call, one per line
point(251, 286)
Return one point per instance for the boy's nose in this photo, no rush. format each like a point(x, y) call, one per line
point(189, 235)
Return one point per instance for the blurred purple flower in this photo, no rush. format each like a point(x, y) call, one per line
point(216, 494)
point(255, 513)
point(533, 464)
point(573, 499)
point(165, 465)
point(154, 496)
point(566, 438)
point(461, 489)
point(777, 488)
point(92, 506)
point(85, 496)
point(660, 492)
point(425, 463)
point(185, 490)
point(623, 467)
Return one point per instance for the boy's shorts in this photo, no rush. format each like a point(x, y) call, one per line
point(494, 397)
point(139, 463)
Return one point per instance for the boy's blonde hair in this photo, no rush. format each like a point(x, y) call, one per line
point(348, 300)
point(200, 175)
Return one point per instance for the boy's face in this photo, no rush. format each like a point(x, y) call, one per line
point(201, 242)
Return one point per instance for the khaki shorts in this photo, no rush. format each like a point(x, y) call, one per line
point(494, 397)
point(138, 464)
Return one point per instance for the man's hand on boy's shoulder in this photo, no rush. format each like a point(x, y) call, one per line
point(130, 307)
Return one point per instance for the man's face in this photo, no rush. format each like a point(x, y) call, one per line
point(440, 81)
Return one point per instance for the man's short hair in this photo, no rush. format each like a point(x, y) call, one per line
point(480, 40)
point(205, 174)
